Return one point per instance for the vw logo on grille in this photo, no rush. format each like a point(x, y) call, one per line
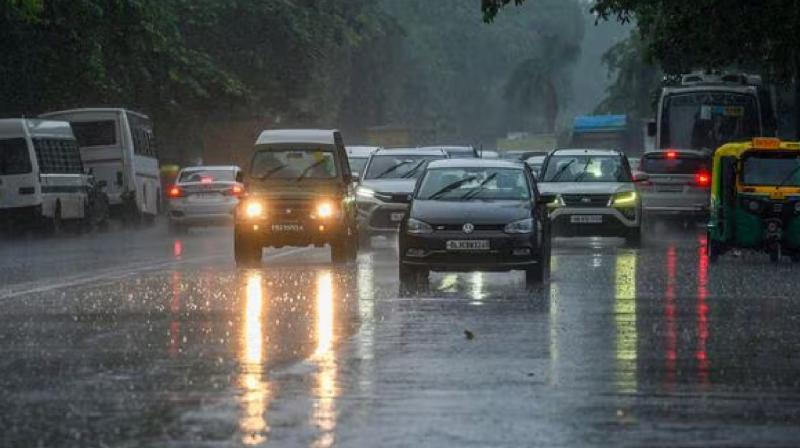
point(468, 228)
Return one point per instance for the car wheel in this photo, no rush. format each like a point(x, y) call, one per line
point(634, 238)
point(713, 250)
point(413, 280)
point(246, 253)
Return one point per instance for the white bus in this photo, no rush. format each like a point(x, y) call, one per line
point(117, 146)
point(42, 179)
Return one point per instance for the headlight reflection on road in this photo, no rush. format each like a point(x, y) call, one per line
point(625, 323)
point(255, 391)
point(478, 292)
point(324, 415)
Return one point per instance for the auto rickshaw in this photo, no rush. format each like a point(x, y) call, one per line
point(755, 199)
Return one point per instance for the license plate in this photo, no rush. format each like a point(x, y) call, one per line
point(397, 217)
point(586, 219)
point(204, 196)
point(468, 245)
point(287, 228)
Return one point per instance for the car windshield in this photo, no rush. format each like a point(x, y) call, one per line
point(390, 166)
point(207, 175)
point(778, 169)
point(464, 184)
point(293, 163)
point(357, 164)
point(586, 168)
point(14, 157)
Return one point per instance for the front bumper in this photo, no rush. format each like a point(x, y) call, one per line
point(376, 217)
point(612, 221)
point(499, 258)
point(300, 233)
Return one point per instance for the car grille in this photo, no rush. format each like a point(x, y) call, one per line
point(460, 227)
point(394, 198)
point(289, 211)
point(586, 200)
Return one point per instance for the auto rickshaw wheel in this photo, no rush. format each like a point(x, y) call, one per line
point(712, 249)
point(776, 253)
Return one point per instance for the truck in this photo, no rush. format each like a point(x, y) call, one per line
point(704, 110)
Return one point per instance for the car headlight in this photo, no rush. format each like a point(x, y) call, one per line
point(417, 227)
point(324, 210)
point(522, 226)
point(365, 193)
point(625, 199)
point(254, 209)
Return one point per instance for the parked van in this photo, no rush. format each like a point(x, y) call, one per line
point(42, 180)
point(117, 145)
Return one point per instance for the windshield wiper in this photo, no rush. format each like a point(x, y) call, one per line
point(561, 171)
point(309, 168)
point(271, 172)
point(410, 173)
point(579, 177)
point(450, 187)
point(392, 169)
point(475, 191)
point(789, 177)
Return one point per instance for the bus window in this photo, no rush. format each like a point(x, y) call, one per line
point(14, 157)
point(95, 133)
point(58, 156)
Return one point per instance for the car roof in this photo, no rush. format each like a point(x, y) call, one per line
point(278, 136)
point(475, 163)
point(209, 167)
point(586, 152)
point(410, 152)
point(463, 148)
point(15, 127)
point(91, 110)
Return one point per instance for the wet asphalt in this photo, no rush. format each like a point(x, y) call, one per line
point(136, 338)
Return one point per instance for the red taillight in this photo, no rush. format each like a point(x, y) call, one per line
point(702, 179)
point(236, 190)
point(672, 154)
point(175, 192)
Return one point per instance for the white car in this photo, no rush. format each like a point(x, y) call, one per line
point(595, 194)
point(204, 195)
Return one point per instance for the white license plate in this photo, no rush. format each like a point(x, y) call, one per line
point(468, 245)
point(287, 228)
point(586, 219)
point(397, 217)
point(204, 196)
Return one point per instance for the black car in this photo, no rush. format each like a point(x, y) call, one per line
point(475, 215)
point(299, 193)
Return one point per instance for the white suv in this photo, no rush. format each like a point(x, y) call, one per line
point(595, 194)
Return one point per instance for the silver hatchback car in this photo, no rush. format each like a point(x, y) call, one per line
point(204, 195)
point(678, 183)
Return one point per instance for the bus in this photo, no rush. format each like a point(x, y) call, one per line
point(117, 147)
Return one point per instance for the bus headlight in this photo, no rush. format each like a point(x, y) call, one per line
point(254, 209)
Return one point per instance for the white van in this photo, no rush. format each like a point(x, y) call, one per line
point(117, 145)
point(42, 180)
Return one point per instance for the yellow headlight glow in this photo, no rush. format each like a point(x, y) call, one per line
point(254, 209)
point(324, 210)
point(628, 198)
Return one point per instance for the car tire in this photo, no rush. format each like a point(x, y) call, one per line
point(245, 252)
point(413, 280)
point(712, 249)
point(634, 238)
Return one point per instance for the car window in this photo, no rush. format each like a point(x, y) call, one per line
point(14, 156)
point(463, 184)
point(390, 166)
point(207, 176)
point(294, 163)
point(661, 164)
point(586, 168)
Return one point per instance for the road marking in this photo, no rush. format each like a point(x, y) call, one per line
point(119, 273)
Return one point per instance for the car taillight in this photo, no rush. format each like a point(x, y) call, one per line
point(702, 179)
point(236, 190)
point(175, 192)
point(671, 155)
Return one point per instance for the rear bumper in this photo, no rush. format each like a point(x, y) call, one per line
point(499, 258)
point(613, 222)
point(310, 232)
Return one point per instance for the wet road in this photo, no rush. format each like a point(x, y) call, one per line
point(137, 338)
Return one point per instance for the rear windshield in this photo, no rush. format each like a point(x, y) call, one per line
point(95, 133)
point(207, 176)
point(14, 157)
point(678, 165)
point(58, 156)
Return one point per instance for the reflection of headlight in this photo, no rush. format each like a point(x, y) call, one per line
point(324, 210)
point(254, 209)
point(626, 199)
point(417, 227)
point(523, 226)
point(364, 192)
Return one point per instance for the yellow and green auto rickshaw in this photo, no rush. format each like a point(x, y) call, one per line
point(755, 199)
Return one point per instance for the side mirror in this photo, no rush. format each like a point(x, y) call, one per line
point(652, 129)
